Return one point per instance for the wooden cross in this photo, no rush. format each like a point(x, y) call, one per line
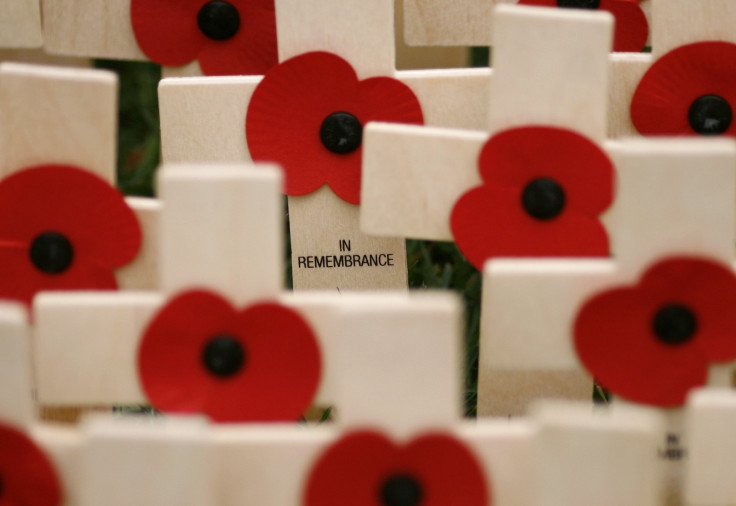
point(203, 121)
point(578, 452)
point(709, 423)
point(408, 187)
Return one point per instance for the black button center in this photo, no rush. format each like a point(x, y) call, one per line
point(710, 115)
point(341, 133)
point(223, 356)
point(401, 490)
point(674, 324)
point(543, 198)
point(579, 4)
point(51, 253)
point(219, 20)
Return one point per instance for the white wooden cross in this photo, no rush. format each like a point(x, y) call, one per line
point(203, 120)
point(413, 175)
point(603, 457)
point(20, 24)
point(709, 422)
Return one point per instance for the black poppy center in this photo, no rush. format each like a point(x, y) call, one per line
point(543, 198)
point(223, 356)
point(710, 115)
point(341, 133)
point(579, 4)
point(218, 20)
point(51, 252)
point(401, 490)
point(674, 324)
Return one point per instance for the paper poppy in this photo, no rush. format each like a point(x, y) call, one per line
point(62, 228)
point(653, 342)
point(201, 355)
point(690, 90)
point(543, 190)
point(234, 37)
point(365, 468)
point(27, 477)
point(631, 29)
point(308, 114)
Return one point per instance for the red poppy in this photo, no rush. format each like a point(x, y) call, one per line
point(308, 113)
point(201, 355)
point(365, 468)
point(690, 90)
point(631, 26)
point(62, 228)
point(653, 342)
point(27, 476)
point(543, 190)
point(234, 37)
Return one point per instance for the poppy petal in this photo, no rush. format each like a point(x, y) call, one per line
point(356, 468)
point(539, 3)
point(663, 98)
point(290, 104)
point(517, 156)
point(615, 343)
point(167, 30)
point(278, 379)
point(631, 28)
point(28, 477)
point(709, 289)
point(489, 221)
point(252, 51)
point(91, 213)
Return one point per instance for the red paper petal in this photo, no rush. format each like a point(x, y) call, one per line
point(663, 98)
point(252, 51)
point(290, 104)
point(168, 33)
point(277, 382)
point(489, 221)
point(167, 30)
point(28, 477)
point(353, 470)
point(514, 157)
point(615, 341)
point(93, 215)
point(631, 28)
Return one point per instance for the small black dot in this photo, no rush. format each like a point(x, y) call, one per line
point(223, 356)
point(710, 115)
point(543, 198)
point(341, 133)
point(51, 252)
point(579, 4)
point(674, 324)
point(401, 490)
point(219, 20)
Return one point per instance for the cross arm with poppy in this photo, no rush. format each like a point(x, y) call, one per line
point(470, 22)
point(58, 165)
point(684, 87)
point(416, 178)
point(205, 120)
point(193, 37)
